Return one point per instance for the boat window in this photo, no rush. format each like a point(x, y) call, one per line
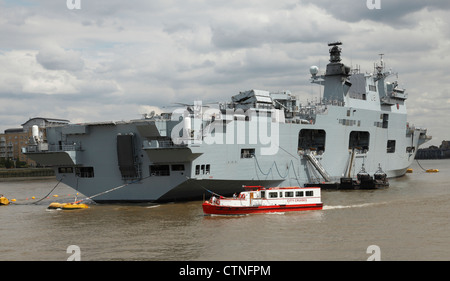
point(263, 194)
point(299, 194)
point(197, 169)
point(85, 172)
point(309, 193)
point(203, 169)
point(289, 194)
point(390, 146)
point(273, 194)
point(159, 170)
point(177, 167)
point(65, 170)
point(247, 153)
point(385, 118)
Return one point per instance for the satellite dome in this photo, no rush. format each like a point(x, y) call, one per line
point(314, 70)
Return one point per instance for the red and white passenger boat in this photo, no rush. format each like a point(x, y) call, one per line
point(257, 199)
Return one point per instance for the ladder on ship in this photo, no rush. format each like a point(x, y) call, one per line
point(318, 166)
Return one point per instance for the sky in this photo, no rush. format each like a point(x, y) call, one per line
point(112, 60)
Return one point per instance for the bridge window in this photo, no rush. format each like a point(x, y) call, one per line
point(299, 194)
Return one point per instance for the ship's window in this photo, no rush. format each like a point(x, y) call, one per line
point(309, 193)
point(177, 167)
point(247, 153)
point(372, 88)
point(299, 194)
point(65, 170)
point(85, 172)
point(203, 169)
point(385, 118)
point(197, 169)
point(359, 140)
point(309, 139)
point(289, 194)
point(390, 146)
point(159, 170)
point(273, 194)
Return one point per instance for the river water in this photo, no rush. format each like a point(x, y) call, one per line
point(407, 221)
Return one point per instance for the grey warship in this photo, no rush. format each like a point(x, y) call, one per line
point(258, 138)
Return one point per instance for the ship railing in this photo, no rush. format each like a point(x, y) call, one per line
point(163, 144)
point(44, 147)
point(65, 147)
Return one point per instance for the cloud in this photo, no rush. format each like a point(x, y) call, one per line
point(113, 59)
point(56, 58)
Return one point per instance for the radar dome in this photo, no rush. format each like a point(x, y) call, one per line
point(314, 70)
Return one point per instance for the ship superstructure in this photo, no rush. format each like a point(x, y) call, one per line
point(259, 138)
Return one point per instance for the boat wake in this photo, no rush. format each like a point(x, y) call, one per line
point(352, 206)
point(152, 206)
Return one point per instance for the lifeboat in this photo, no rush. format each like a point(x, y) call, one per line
point(257, 199)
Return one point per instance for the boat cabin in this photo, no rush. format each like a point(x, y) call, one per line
point(260, 196)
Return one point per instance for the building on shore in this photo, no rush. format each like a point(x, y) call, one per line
point(13, 140)
point(434, 152)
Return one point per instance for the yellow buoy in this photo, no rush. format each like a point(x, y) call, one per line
point(432, 171)
point(55, 195)
point(409, 171)
point(4, 201)
point(73, 206)
point(55, 205)
point(67, 206)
